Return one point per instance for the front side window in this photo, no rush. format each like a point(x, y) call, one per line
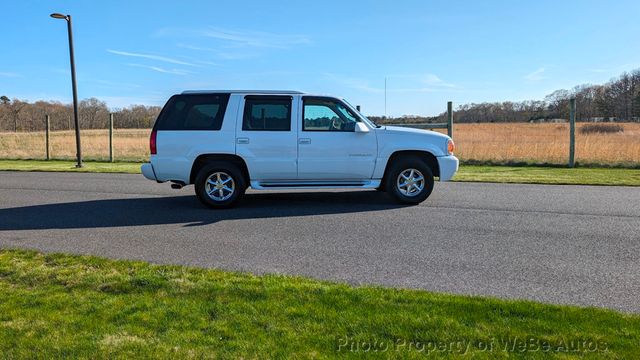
point(267, 113)
point(193, 112)
point(326, 114)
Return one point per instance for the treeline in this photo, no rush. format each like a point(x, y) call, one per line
point(18, 115)
point(617, 100)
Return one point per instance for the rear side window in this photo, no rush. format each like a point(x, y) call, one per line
point(267, 113)
point(193, 112)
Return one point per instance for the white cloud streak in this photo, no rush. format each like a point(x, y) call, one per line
point(430, 82)
point(616, 69)
point(9, 74)
point(151, 57)
point(258, 39)
point(223, 55)
point(118, 85)
point(536, 75)
point(163, 70)
point(353, 83)
point(120, 102)
point(435, 81)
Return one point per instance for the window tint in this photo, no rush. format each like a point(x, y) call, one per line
point(267, 113)
point(193, 112)
point(326, 114)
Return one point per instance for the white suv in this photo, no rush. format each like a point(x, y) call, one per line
point(225, 141)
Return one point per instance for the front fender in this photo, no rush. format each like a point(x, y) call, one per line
point(391, 140)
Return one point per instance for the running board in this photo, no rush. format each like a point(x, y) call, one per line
point(285, 185)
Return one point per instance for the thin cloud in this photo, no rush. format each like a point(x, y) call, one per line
point(120, 102)
point(536, 75)
point(196, 48)
point(208, 63)
point(119, 85)
point(435, 81)
point(9, 74)
point(258, 39)
point(151, 57)
point(431, 79)
point(411, 90)
point(424, 82)
point(616, 69)
point(163, 70)
point(432, 84)
point(223, 55)
point(353, 83)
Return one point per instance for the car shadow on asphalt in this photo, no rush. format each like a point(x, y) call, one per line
point(187, 210)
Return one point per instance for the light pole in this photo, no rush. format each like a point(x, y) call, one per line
point(73, 84)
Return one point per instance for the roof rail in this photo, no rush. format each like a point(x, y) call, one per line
point(288, 92)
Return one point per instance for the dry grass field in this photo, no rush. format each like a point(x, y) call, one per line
point(128, 144)
point(546, 143)
point(501, 143)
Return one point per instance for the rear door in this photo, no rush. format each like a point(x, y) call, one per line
point(186, 121)
point(266, 136)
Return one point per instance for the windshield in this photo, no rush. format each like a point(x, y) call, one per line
point(366, 119)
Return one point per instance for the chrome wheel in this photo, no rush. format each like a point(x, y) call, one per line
point(220, 186)
point(410, 182)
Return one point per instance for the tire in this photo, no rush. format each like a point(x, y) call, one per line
point(406, 187)
point(218, 178)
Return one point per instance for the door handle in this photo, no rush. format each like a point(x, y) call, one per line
point(242, 140)
point(304, 141)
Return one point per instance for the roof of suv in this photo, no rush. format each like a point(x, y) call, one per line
point(287, 92)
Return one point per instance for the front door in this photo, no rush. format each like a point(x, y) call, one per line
point(328, 146)
point(266, 138)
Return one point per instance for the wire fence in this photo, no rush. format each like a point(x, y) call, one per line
point(542, 142)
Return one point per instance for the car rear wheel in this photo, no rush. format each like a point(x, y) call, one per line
point(219, 185)
point(409, 181)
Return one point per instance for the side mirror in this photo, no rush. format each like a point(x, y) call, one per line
point(361, 128)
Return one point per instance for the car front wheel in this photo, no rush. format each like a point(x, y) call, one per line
point(409, 181)
point(219, 185)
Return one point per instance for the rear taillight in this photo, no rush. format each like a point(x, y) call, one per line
point(152, 142)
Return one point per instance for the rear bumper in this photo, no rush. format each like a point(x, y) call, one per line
point(148, 171)
point(448, 166)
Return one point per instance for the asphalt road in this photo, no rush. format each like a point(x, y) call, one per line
point(557, 244)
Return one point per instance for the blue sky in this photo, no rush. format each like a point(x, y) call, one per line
point(430, 51)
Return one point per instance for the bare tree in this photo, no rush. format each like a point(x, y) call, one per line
point(94, 113)
point(15, 107)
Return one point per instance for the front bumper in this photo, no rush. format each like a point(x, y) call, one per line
point(448, 166)
point(148, 171)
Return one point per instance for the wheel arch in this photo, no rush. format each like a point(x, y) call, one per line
point(430, 160)
point(204, 159)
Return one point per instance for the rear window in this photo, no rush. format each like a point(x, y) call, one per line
point(267, 113)
point(193, 112)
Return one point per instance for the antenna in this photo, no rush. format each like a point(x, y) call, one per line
point(385, 97)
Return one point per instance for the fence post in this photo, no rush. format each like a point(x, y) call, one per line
point(47, 129)
point(111, 137)
point(450, 119)
point(572, 131)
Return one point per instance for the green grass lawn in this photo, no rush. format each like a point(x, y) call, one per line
point(66, 165)
point(548, 175)
point(54, 306)
point(478, 173)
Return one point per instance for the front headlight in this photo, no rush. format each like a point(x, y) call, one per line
point(450, 146)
